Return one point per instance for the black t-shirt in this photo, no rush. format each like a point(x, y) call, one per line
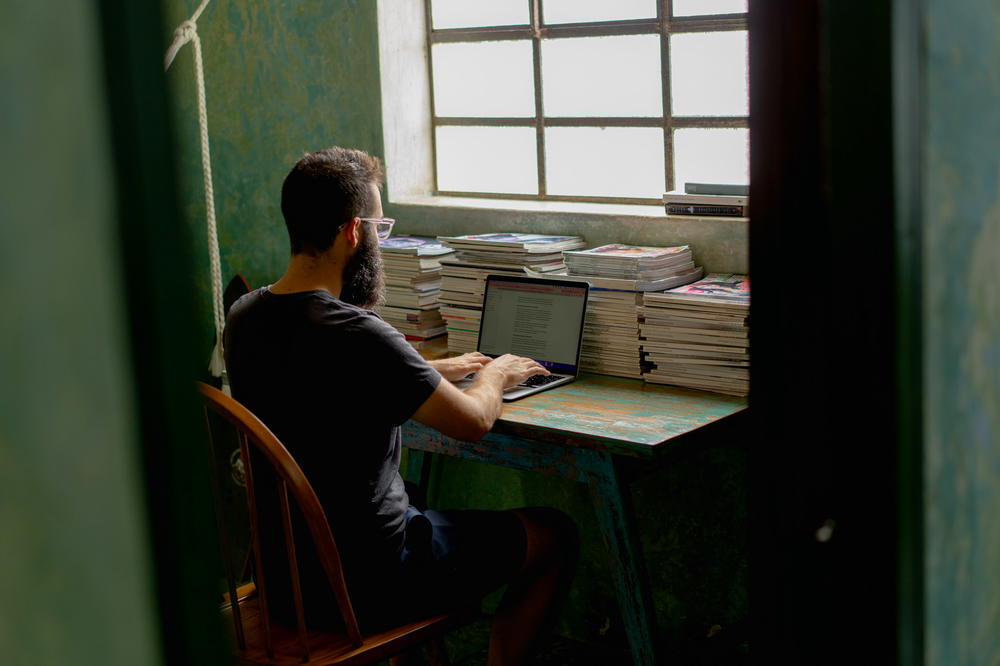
point(334, 382)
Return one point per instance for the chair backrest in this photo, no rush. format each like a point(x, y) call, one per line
point(237, 286)
point(252, 432)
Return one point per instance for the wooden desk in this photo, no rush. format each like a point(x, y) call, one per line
point(600, 431)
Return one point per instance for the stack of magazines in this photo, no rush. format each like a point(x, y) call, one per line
point(412, 286)
point(611, 334)
point(463, 277)
point(618, 274)
point(633, 267)
point(697, 335)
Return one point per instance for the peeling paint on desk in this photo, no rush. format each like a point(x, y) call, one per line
point(624, 410)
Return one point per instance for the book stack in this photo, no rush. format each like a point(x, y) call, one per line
point(618, 275)
point(610, 343)
point(412, 266)
point(697, 335)
point(463, 277)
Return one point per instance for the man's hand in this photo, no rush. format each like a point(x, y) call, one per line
point(514, 369)
point(458, 367)
point(470, 415)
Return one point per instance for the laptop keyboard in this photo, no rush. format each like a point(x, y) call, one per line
point(531, 382)
point(539, 380)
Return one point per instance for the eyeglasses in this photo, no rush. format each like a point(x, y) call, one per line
point(383, 225)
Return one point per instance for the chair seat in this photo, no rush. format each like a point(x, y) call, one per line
point(326, 647)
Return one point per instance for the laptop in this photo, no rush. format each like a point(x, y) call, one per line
point(539, 318)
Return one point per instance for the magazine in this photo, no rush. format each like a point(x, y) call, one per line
point(419, 245)
point(719, 287)
point(630, 252)
point(532, 243)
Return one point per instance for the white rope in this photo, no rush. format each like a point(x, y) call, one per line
point(188, 32)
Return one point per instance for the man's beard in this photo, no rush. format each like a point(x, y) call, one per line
point(364, 284)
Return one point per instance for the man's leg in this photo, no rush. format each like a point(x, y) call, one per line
point(537, 590)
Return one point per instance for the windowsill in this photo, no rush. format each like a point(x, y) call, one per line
point(518, 205)
point(720, 243)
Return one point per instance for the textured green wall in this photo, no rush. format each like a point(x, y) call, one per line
point(962, 332)
point(283, 78)
point(288, 77)
point(75, 579)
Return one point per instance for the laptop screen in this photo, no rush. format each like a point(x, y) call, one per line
point(534, 317)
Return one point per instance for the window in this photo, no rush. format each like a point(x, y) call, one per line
point(586, 100)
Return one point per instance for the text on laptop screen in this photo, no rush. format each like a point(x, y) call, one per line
point(539, 321)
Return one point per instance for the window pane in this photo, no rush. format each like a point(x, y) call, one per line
point(708, 74)
point(581, 11)
point(612, 161)
point(484, 79)
point(478, 13)
point(602, 76)
point(487, 159)
point(699, 7)
point(711, 156)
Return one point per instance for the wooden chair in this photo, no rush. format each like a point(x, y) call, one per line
point(237, 286)
point(262, 641)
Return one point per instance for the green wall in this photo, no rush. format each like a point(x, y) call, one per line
point(283, 78)
point(961, 223)
point(288, 77)
point(76, 582)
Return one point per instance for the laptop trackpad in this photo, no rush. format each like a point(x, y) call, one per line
point(527, 387)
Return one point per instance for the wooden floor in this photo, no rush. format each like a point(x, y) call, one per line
point(467, 647)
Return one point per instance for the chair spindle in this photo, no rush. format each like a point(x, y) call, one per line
point(293, 568)
point(265, 616)
point(227, 551)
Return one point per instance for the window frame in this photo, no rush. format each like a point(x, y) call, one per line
point(663, 24)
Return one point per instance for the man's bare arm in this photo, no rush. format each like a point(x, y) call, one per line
point(470, 415)
point(457, 367)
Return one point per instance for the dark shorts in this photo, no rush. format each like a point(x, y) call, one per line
point(450, 558)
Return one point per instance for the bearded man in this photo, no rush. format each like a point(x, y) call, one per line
point(335, 383)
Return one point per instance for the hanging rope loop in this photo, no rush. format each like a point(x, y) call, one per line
point(188, 32)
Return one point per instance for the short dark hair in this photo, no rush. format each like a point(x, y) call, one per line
point(325, 189)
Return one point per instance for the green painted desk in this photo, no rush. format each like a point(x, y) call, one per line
point(600, 431)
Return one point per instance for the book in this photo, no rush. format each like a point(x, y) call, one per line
point(698, 335)
point(412, 269)
point(682, 198)
point(411, 299)
point(514, 242)
point(716, 188)
point(706, 210)
point(718, 289)
point(680, 203)
point(624, 284)
point(629, 255)
point(463, 276)
point(419, 282)
point(412, 264)
point(413, 245)
point(394, 314)
point(642, 268)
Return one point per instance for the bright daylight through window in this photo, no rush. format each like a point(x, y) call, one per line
point(587, 100)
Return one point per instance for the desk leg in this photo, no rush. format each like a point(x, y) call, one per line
point(418, 467)
point(418, 473)
point(616, 519)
